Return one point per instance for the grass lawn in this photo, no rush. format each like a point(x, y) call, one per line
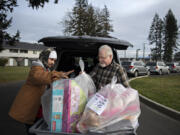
point(8, 74)
point(162, 89)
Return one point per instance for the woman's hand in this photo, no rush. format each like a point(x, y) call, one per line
point(69, 72)
point(59, 75)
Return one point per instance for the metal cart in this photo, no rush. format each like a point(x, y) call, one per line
point(40, 128)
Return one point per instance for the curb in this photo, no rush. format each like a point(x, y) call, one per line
point(161, 108)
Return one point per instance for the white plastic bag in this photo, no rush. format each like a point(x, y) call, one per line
point(46, 99)
point(85, 81)
point(112, 104)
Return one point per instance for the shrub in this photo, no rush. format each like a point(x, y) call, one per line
point(3, 61)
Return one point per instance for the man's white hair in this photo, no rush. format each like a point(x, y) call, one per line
point(107, 49)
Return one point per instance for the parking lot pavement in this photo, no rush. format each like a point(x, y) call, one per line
point(152, 122)
point(8, 126)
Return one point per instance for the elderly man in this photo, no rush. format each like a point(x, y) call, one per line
point(103, 73)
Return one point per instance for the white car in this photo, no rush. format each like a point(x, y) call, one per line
point(158, 67)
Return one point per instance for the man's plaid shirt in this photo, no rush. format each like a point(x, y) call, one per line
point(103, 76)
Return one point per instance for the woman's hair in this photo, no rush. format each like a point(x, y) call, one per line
point(44, 55)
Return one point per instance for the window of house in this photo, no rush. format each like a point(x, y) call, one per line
point(23, 51)
point(34, 52)
point(13, 50)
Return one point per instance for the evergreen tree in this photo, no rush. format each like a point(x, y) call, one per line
point(39, 3)
point(87, 20)
point(76, 20)
point(170, 35)
point(91, 22)
point(155, 37)
point(177, 56)
point(5, 23)
point(106, 22)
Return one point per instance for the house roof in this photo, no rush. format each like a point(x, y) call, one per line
point(24, 46)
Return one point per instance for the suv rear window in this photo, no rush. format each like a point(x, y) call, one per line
point(126, 63)
point(169, 64)
point(151, 64)
point(160, 64)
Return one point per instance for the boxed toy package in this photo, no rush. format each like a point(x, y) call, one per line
point(68, 102)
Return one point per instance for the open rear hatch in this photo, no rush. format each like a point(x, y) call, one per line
point(71, 48)
point(84, 42)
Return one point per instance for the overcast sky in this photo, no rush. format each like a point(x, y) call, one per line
point(131, 19)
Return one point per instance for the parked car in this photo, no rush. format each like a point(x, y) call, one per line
point(71, 48)
point(174, 66)
point(158, 67)
point(135, 68)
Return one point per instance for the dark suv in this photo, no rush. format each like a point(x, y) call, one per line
point(71, 48)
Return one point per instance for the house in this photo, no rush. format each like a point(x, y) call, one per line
point(21, 54)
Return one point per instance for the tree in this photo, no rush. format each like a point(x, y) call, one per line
point(156, 36)
point(170, 36)
point(39, 3)
point(8, 6)
point(91, 25)
point(5, 7)
point(177, 56)
point(153, 54)
point(76, 20)
point(87, 20)
point(107, 27)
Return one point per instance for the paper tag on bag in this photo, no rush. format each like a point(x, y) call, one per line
point(97, 103)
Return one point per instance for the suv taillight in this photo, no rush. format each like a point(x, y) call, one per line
point(156, 67)
point(173, 66)
point(131, 67)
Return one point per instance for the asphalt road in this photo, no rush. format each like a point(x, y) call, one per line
point(151, 121)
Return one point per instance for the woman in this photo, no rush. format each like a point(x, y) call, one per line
point(28, 100)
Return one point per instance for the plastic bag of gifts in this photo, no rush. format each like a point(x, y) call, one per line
point(85, 81)
point(112, 104)
point(64, 103)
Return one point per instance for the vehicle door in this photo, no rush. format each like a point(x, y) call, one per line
point(165, 68)
point(126, 65)
point(160, 67)
point(144, 69)
point(151, 66)
point(140, 67)
point(178, 67)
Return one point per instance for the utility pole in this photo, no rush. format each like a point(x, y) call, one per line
point(137, 53)
point(144, 51)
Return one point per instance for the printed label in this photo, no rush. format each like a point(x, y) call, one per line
point(97, 103)
point(57, 103)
